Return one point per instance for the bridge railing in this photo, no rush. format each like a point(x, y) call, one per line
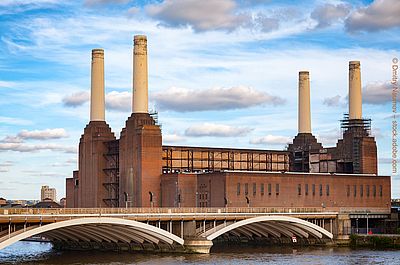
point(226, 210)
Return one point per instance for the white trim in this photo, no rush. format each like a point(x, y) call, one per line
point(286, 219)
point(160, 234)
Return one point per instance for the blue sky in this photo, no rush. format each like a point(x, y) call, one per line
point(221, 73)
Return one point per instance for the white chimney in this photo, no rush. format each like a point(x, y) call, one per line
point(355, 97)
point(97, 109)
point(140, 83)
point(304, 125)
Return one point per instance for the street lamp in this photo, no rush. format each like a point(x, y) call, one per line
point(151, 199)
point(126, 195)
point(357, 225)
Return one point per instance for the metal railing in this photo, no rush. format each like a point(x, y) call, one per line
point(227, 210)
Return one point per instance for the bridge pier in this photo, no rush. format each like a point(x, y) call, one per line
point(198, 245)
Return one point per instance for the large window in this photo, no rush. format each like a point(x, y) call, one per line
point(269, 189)
point(380, 191)
point(246, 188)
point(262, 189)
point(361, 191)
point(367, 190)
point(355, 190)
point(320, 190)
point(374, 191)
point(254, 189)
point(306, 189)
point(313, 189)
point(299, 189)
point(277, 189)
point(327, 189)
point(238, 189)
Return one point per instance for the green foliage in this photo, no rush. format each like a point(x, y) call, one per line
point(381, 242)
point(353, 240)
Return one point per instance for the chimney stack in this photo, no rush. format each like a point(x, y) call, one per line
point(97, 86)
point(355, 97)
point(304, 103)
point(140, 83)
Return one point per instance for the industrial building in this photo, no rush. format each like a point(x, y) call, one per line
point(136, 170)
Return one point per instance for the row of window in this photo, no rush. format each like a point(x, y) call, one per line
point(310, 189)
point(262, 189)
point(313, 189)
point(367, 190)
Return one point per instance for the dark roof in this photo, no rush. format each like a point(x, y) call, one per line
point(47, 204)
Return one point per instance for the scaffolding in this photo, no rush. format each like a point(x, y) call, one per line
point(359, 127)
point(112, 173)
point(205, 159)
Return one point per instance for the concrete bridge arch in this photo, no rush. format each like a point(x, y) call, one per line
point(270, 226)
point(98, 230)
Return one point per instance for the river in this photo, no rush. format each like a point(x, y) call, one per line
point(43, 253)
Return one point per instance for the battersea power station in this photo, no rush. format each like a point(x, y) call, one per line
point(137, 170)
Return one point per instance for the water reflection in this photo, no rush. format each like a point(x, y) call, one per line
point(42, 253)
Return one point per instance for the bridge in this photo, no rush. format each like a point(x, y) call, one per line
point(167, 229)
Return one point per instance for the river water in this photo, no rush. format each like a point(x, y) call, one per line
point(42, 253)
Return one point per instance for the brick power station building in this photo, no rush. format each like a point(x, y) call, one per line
point(136, 170)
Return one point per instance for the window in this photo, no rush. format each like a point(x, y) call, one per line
point(269, 189)
point(348, 190)
point(238, 189)
point(306, 189)
point(380, 190)
point(327, 190)
point(361, 190)
point(374, 191)
point(313, 189)
point(299, 189)
point(262, 188)
point(355, 190)
point(76, 182)
point(246, 188)
point(320, 189)
point(254, 189)
point(277, 189)
point(367, 190)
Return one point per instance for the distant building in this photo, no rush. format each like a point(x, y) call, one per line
point(63, 202)
point(3, 202)
point(47, 203)
point(48, 193)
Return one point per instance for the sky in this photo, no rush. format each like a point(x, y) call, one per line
point(222, 73)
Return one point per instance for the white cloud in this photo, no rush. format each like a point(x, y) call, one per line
point(7, 84)
point(200, 15)
point(266, 24)
point(217, 98)
point(14, 121)
point(121, 101)
point(6, 164)
point(377, 93)
point(22, 147)
point(104, 2)
point(328, 137)
point(380, 15)
point(216, 130)
point(173, 138)
point(271, 139)
point(333, 101)
point(76, 99)
point(44, 134)
point(328, 14)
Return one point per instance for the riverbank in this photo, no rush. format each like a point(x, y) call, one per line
point(375, 241)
